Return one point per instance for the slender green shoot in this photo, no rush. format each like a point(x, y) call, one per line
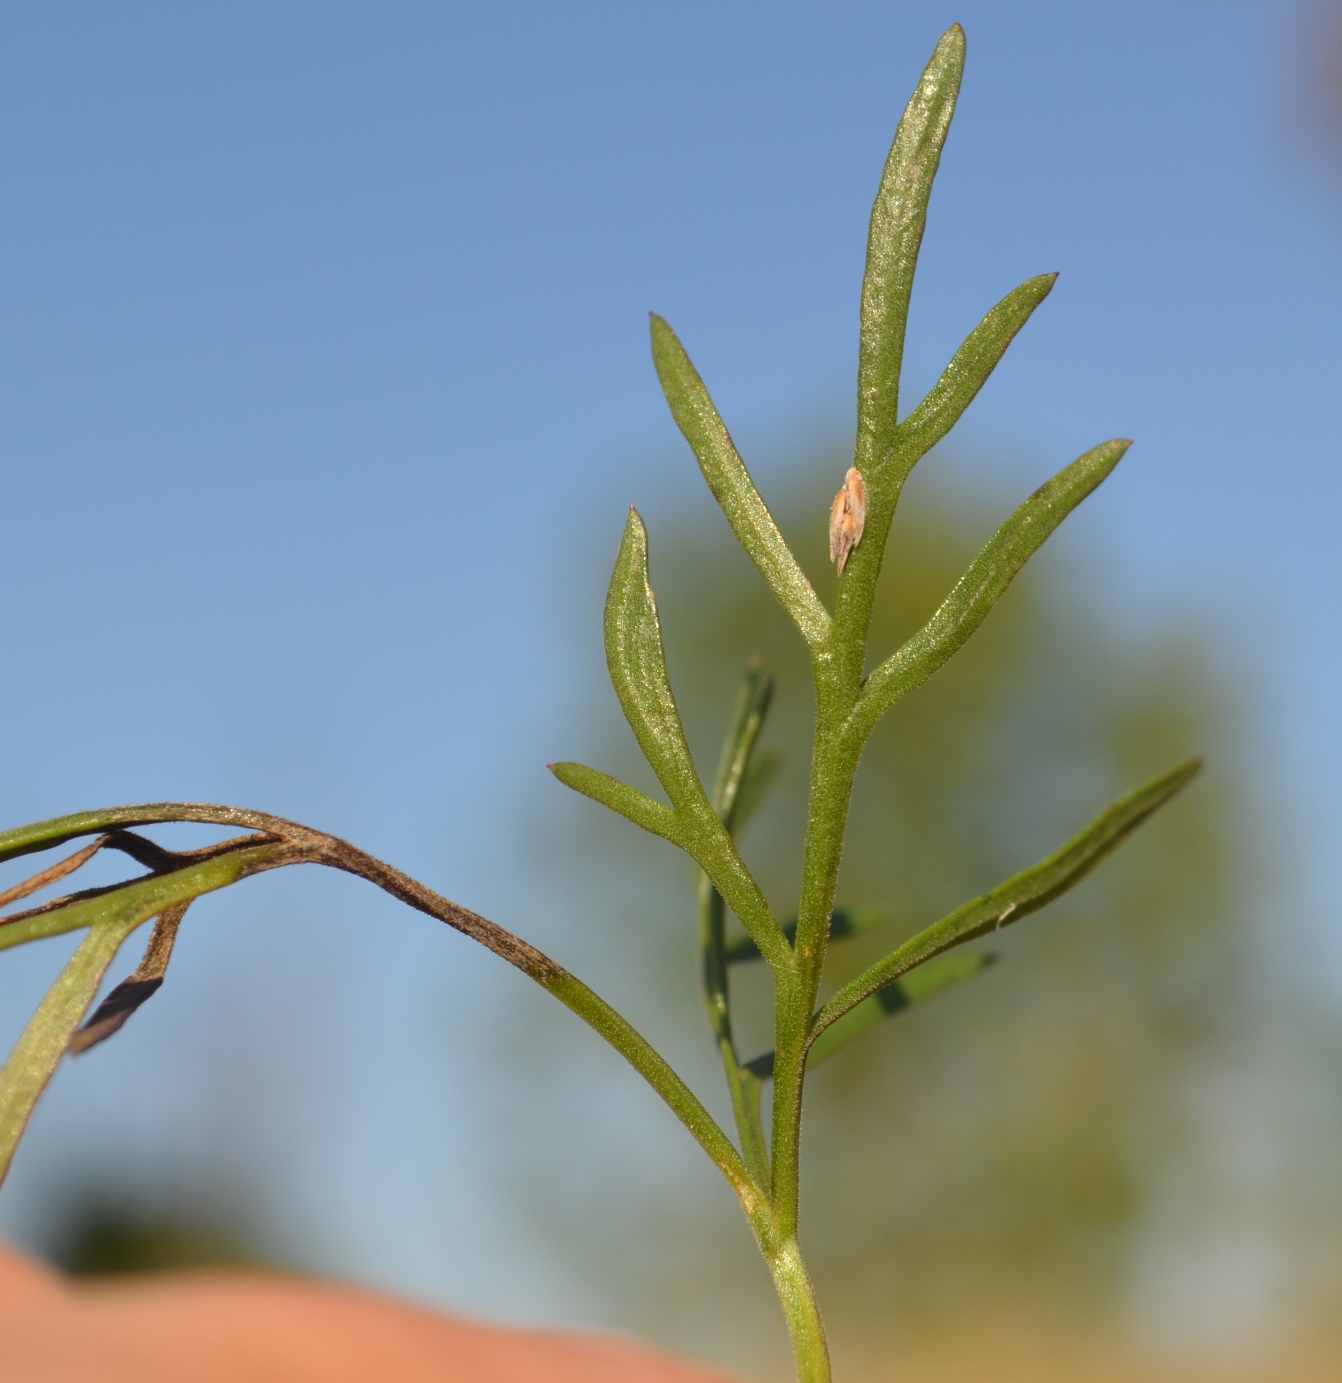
point(761, 1162)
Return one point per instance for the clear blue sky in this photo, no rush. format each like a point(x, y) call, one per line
point(323, 363)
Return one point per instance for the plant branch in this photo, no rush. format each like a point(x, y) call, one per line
point(113, 913)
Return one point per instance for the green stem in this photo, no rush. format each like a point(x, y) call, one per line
point(831, 788)
point(810, 1350)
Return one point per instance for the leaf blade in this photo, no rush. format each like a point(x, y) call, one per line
point(968, 371)
point(898, 220)
point(983, 584)
point(1018, 896)
point(711, 849)
point(45, 835)
point(637, 663)
point(628, 802)
point(729, 480)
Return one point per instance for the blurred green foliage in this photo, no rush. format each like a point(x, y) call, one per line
point(111, 1236)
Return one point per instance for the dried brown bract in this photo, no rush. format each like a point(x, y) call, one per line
point(847, 518)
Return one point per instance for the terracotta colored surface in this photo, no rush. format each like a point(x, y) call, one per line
point(220, 1327)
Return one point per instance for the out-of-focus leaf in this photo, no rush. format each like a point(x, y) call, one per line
point(942, 973)
point(843, 922)
point(938, 974)
point(738, 749)
point(759, 778)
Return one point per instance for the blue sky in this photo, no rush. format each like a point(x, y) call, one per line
point(324, 367)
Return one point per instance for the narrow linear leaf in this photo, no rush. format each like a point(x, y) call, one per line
point(637, 663)
point(629, 802)
point(711, 850)
point(898, 219)
point(1019, 896)
point(980, 588)
point(967, 373)
point(664, 1079)
point(732, 486)
point(38, 1051)
point(44, 835)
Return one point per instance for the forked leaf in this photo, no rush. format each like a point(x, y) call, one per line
point(898, 219)
point(980, 588)
point(968, 371)
point(732, 487)
point(637, 663)
point(1019, 896)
